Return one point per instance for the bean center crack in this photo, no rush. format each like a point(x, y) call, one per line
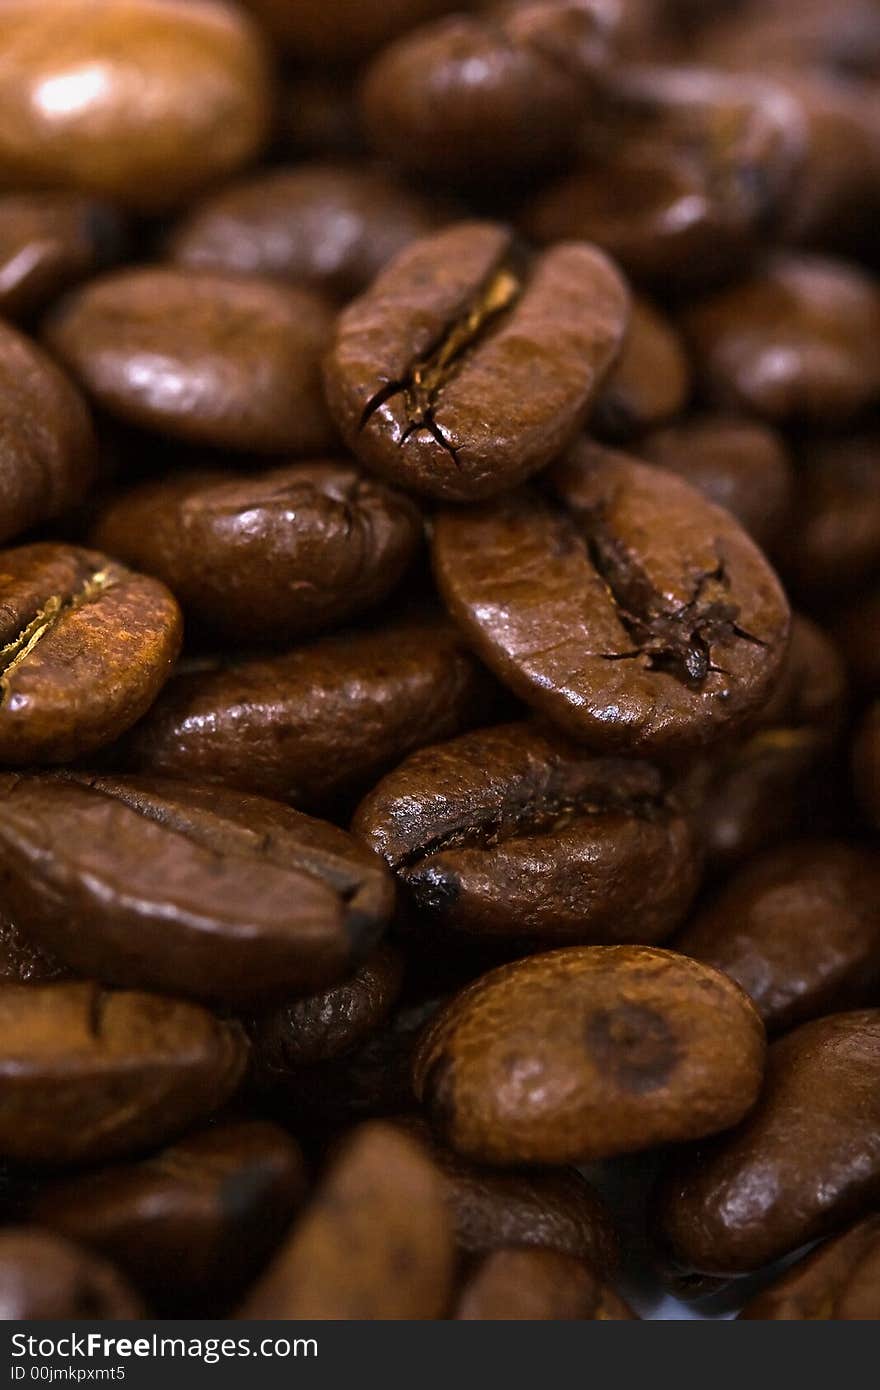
point(45, 620)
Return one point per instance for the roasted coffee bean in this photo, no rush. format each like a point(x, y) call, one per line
point(86, 1074)
point(49, 241)
point(335, 31)
point(21, 961)
point(803, 1164)
point(839, 1282)
point(511, 832)
point(267, 557)
point(318, 725)
point(537, 1285)
point(832, 546)
point(798, 928)
point(491, 94)
point(192, 1224)
point(866, 764)
point(651, 380)
point(321, 1026)
point(140, 100)
point(628, 609)
point(44, 1278)
point(210, 359)
point(47, 448)
point(795, 343)
point(375, 1243)
point(465, 368)
point(855, 632)
point(85, 647)
point(589, 1052)
point(738, 463)
point(842, 37)
point(190, 889)
point(330, 226)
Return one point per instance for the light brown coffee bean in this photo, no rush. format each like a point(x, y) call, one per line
point(537, 1285)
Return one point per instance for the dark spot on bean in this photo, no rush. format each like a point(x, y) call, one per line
point(634, 1045)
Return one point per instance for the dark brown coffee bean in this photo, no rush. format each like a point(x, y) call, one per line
point(794, 343)
point(537, 1285)
point(855, 632)
point(140, 100)
point(267, 557)
point(839, 1282)
point(318, 725)
point(47, 448)
point(804, 1163)
point(192, 1224)
point(650, 381)
point(85, 647)
point(49, 241)
point(513, 833)
point(335, 31)
point(630, 610)
point(465, 369)
point(833, 543)
point(737, 463)
point(798, 928)
point(188, 889)
point(44, 1278)
point(330, 226)
point(375, 1243)
point(86, 1074)
point(211, 359)
point(866, 764)
point(589, 1052)
point(21, 960)
point(490, 94)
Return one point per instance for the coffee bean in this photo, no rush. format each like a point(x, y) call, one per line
point(140, 100)
point(47, 448)
point(651, 380)
point(840, 38)
point(87, 1075)
point(513, 833)
point(191, 1225)
point(330, 226)
point(375, 1243)
point(48, 242)
point(465, 368)
point(317, 725)
point(537, 1285)
point(866, 764)
point(270, 556)
point(855, 634)
point(798, 928)
point(85, 647)
point(228, 361)
point(44, 1278)
point(629, 610)
point(589, 1052)
point(840, 1281)
point(189, 889)
point(335, 31)
point(804, 1163)
point(832, 546)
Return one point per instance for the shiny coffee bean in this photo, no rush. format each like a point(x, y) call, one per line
point(803, 1164)
point(650, 381)
point(47, 447)
point(798, 928)
point(589, 1052)
point(267, 557)
point(85, 647)
point(320, 724)
point(466, 368)
point(21, 961)
point(44, 1278)
point(189, 889)
point(211, 359)
point(795, 343)
point(87, 1075)
point(140, 100)
point(329, 226)
point(833, 544)
point(191, 1224)
point(628, 609)
point(840, 1282)
point(483, 95)
point(866, 764)
point(375, 1242)
point(48, 242)
point(335, 31)
point(737, 463)
point(537, 1285)
point(512, 833)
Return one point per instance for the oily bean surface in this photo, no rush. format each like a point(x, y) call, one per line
point(86, 1074)
point(466, 368)
point(193, 890)
point(44, 1278)
point(839, 1281)
point(537, 1285)
point(630, 610)
point(85, 647)
point(589, 1052)
point(48, 242)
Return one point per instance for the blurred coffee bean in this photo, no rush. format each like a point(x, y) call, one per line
point(650, 381)
point(50, 241)
point(44, 1278)
point(537, 1285)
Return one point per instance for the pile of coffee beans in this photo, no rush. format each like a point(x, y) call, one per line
point(439, 658)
